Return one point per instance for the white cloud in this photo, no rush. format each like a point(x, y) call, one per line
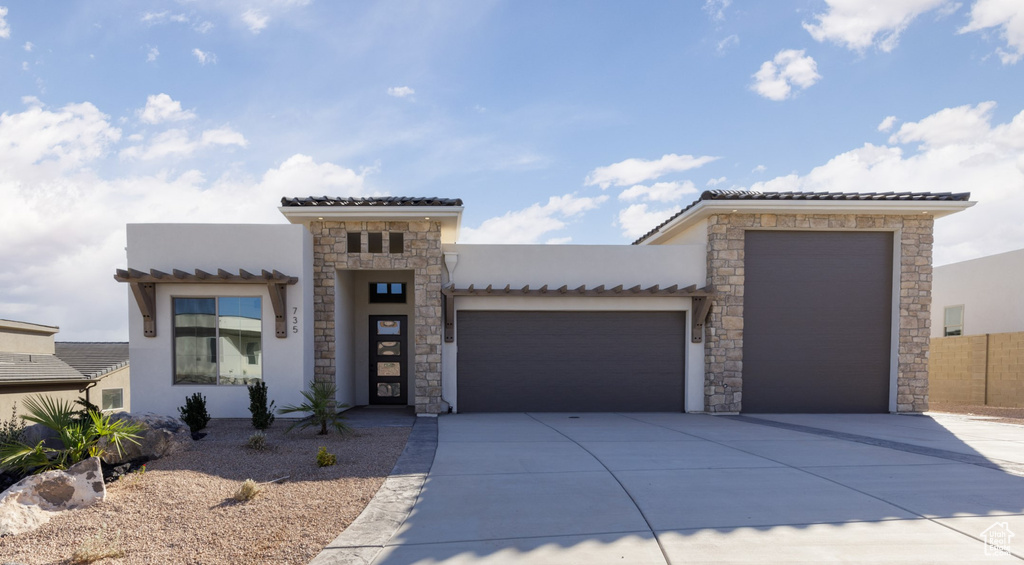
point(716, 182)
point(727, 43)
point(957, 150)
point(162, 108)
point(633, 171)
point(5, 30)
point(222, 136)
point(152, 55)
point(759, 169)
point(204, 57)
point(531, 224)
point(790, 67)
point(29, 46)
point(857, 24)
point(963, 124)
point(1008, 16)
point(255, 20)
point(60, 215)
point(24, 65)
point(659, 192)
point(887, 123)
point(179, 143)
point(400, 91)
point(154, 18)
point(52, 142)
point(203, 27)
point(716, 8)
point(638, 219)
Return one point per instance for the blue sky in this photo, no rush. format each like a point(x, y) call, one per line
point(555, 122)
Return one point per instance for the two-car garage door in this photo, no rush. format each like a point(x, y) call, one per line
point(564, 361)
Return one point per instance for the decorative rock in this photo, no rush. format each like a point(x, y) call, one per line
point(33, 500)
point(163, 436)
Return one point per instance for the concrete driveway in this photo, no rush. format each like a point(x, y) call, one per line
point(677, 488)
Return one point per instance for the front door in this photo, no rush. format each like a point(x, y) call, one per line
point(389, 354)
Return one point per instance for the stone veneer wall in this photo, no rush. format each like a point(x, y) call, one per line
point(422, 254)
point(723, 345)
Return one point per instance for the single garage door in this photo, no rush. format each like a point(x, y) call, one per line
point(817, 318)
point(570, 361)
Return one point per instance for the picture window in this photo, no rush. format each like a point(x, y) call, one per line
point(218, 341)
point(112, 399)
point(953, 321)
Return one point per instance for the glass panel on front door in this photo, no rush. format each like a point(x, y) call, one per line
point(388, 363)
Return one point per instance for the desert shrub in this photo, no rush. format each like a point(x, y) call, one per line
point(257, 441)
point(321, 409)
point(194, 413)
point(97, 547)
point(80, 437)
point(324, 459)
point(247, 491)
point(262, 414)
point(13, 430)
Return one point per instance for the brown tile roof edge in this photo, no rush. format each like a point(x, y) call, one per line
point(754, 195)
point(371, 201)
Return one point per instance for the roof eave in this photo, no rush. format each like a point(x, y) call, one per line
point(449, 216)
point(47, 381)
point(705, 208)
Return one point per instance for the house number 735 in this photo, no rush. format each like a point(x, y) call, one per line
point(295, 320)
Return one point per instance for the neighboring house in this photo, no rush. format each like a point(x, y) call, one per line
point(743, 301)
point(107, 363)
point(29, 366)
point(977, 333)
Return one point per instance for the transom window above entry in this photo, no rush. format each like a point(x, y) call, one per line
point(387, 293)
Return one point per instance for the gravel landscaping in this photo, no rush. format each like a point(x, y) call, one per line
point(181, 509)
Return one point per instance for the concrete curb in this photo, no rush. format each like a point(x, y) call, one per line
point(365, 538)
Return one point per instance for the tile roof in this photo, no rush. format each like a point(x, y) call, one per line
point(20, 368)
point(93, 359)
point(860, 196)
point(371, 201)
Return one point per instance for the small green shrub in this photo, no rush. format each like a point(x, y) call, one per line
point(97, 547)
point(257, 441)
point(80, 437)
point(324, 459)
point(13, 430)
point(247, 491)
point(194, 413)
point(262, 414)
point(321, 407)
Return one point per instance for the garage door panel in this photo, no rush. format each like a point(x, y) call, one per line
point(570, 361)
point(817, 321)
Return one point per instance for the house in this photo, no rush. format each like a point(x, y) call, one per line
point(107, 363)
point(31, 363)
point(977, 335)
point(743, 301)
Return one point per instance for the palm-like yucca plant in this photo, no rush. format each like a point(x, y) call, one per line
point(79, 435)
point(321, 409)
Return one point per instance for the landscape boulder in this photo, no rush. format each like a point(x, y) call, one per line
point(163, 436)
point(32, 501)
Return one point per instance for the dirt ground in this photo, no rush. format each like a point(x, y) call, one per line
point(1006, 415)
point(181, 510)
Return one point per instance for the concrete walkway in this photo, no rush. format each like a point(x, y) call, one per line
point(677, 488)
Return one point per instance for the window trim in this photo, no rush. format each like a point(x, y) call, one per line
point(216, 338)
point(947, 328)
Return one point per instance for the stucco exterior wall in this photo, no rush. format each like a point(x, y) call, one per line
point(13, 341)
point(991, 290)
point(287, 362)
point(120, 378)
point(912, 290)
point(14, 396)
